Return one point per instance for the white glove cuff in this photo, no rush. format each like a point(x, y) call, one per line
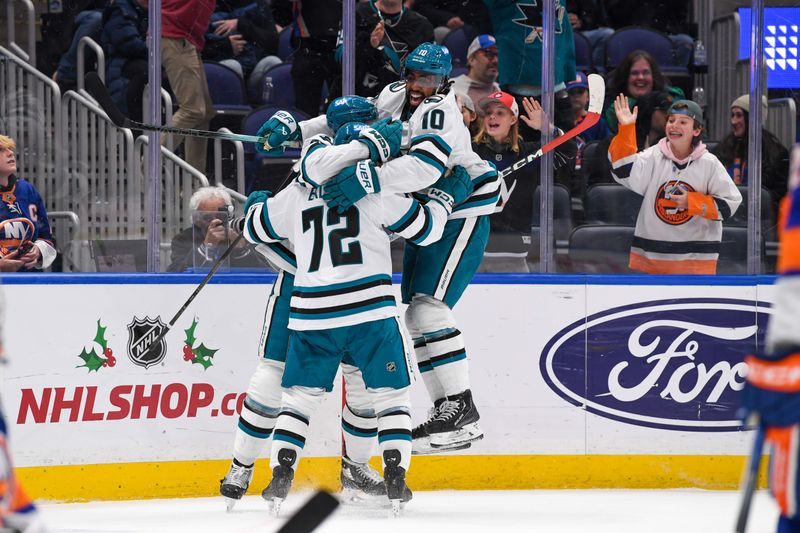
point(377, 140)
point(286, 119)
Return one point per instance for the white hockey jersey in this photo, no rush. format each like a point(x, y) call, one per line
point(344, 269)
point(668, 241)
point(437, 141)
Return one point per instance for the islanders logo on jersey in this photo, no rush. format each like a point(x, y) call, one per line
point(142, 334)
point(13, 233)
point(663, 207)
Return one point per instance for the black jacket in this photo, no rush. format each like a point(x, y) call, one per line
point(186, 256)
point(472, 12)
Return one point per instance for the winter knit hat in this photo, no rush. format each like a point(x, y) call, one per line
point(744, 102)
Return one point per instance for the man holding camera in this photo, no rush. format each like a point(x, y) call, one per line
point(199, 246)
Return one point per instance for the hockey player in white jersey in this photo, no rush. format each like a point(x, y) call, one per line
point(319, 161)
point(343, 310)
point(434, 278)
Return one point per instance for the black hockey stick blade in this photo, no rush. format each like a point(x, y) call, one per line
point(95, 87)
point(750, 481)
point(312, 514)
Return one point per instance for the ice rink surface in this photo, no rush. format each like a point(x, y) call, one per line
point(563, 511)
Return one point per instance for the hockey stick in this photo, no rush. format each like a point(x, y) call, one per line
point(191, 298)
point(311, 514)
point(749, 481)
point(597, 94)
point(97, 89)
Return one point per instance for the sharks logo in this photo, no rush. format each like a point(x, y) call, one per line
point(532, 18)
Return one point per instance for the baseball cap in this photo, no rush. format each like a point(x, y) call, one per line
point(580, 81)
point(503, 98)
point(688, 108)
point(481, 42)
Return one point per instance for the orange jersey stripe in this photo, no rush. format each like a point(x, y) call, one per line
point(678, 266)
point(624, 143)
point(702, 204)
point(789, 257)
point(782, 375)
point(782, 475)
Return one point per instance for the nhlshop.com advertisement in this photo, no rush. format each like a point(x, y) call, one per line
point(564, 368)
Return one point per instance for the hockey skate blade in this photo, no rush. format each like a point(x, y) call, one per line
point(359, 498)
point(275, 507)
point(394, 509)
point(467, 434)
point(424, 447)
point(230, 503)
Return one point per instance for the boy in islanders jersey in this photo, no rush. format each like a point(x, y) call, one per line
point(773, 377)
point(343, 311)
point(687, 192)
point(434, 277)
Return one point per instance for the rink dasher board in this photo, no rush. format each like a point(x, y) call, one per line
point(564, 370)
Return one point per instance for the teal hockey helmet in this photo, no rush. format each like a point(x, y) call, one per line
point(430, 58)
point(350, 109)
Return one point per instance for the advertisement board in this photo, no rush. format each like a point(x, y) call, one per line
point(559, 367)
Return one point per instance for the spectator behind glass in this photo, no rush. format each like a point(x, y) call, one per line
point(686, 192)
point(183, 26)
point(201, 245)
point(243, 36)
point(124, 40)
point(87, 23)
point(317, 22)
point(467, 111)
point(385, 32)
point(639, 78)
point(448, 15)
point(668, 16)
point(27, 243)
point(499, 142)
point(732, 150)
point(588, 17)
point(481, 79)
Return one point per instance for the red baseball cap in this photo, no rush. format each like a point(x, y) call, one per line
point(503, 98)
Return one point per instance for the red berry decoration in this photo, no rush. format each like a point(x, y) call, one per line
point(111, 361)
point(105, 363)
point(108, 353)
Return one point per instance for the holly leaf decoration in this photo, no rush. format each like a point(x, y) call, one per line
point(190, 338)
point(203, 356)
point(91, 360)
point(100, 336)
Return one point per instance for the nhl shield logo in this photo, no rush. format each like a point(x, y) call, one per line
point(142, 332)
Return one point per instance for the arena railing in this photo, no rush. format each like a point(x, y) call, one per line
point(723, 56)
point(28, 53)
point(30, 111)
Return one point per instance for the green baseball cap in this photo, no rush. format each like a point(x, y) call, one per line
point(688, 108)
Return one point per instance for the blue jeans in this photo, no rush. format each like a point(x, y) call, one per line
point(87, 23)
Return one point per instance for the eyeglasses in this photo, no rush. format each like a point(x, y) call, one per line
point(490, 54)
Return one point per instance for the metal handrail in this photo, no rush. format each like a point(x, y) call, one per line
point(72, 218)
point(101, 59)
point(30, 55)
point(239, 147)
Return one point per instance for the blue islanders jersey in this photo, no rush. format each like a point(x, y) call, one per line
point(22, 216)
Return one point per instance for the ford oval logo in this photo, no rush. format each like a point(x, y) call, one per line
point(670, 364)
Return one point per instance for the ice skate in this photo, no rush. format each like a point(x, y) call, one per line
point(235, 483)
point(455, 424)
point(360, 482)
point(281, 482)
point(395, 477)
point(420, 438)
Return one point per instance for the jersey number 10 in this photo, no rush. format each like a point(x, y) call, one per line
point(433, 119)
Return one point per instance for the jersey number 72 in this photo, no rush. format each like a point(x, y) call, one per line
point(313, 220)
